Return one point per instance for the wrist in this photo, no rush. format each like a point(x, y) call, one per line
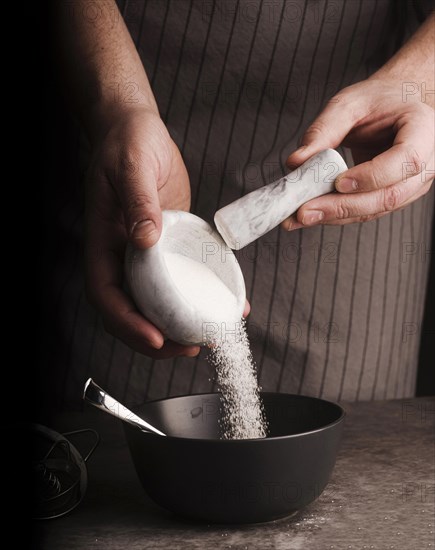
point(103, 114)
point(412, 88)
point(411, 69)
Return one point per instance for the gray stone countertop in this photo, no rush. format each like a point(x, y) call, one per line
point(381, 494)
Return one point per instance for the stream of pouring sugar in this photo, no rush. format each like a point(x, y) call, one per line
point(242, 410)
point(243, 414)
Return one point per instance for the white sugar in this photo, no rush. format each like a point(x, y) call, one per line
point(202, 288)
point(242, 412)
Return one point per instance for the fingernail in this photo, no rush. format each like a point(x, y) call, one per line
point(192, 352)
point(143, 230)
point(312, 216)
point(156, 344)
point(346, 185)
point(291, 226)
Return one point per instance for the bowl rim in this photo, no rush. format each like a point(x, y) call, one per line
point(339, 420)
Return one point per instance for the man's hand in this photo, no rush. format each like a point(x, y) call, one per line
point(136, 171)
point(390, 134)
point(392, 143)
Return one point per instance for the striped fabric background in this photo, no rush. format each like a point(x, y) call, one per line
point(336, 311)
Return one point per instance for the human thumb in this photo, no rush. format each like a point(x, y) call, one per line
point(141, 208)
point(144, 233)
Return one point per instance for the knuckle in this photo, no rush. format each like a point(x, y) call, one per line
point(413, 161)
point(137, 201)
point(375, 175)
point(342, 210)
point(129, 162)
point(316, 130)
point(391, 198)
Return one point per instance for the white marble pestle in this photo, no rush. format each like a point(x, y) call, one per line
point(248, 218)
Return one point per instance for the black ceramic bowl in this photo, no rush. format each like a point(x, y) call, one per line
point(197, 475)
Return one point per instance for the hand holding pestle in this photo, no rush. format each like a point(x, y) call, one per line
point(174, 301)
point(248, 218)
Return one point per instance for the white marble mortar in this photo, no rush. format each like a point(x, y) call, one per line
point(153, 290)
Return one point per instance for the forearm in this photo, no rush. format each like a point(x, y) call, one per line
point(101, 67)
point(412, 67)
